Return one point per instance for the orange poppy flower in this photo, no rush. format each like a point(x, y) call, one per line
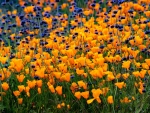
point(55, 53)
point(82, 84)
point(138, 40)
point(20, 100)
point(79, 71)
point(3, 59)
point(40, 72)
point(27, 58)
point(142, 73)
point(51, 88)
point(125, 100)
point(67, 77)
point(59, 90)
point(81, 60)
point(16, 93)
point(73, 86)
point(20, 78)
point(21, 88)
point(39, 83)
point(110, 100)
point(39, 91)
point(135, 27)
point(142, 26)
point(105, 90)
point(57, 74)
point(148, 62)
point(59, 106)
point(125, 75)
point(126, 64)
point(47, 8)
point(5, 86)
point(120, 85)
point(64, 5)
point(31, 84)
point(96, 93)
point(77, 95)
point(27, 89)
point(87, 12)
point(85, 94)
point(110, 77)
point(27, 70)
point(145, 65)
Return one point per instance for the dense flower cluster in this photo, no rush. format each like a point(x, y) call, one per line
point(79, 56)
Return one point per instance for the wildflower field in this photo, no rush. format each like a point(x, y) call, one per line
point(75, 56)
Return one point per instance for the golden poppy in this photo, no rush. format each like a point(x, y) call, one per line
point(82, 84)
point(39, 83)
point(90, 101)
point(21, 88)
point(120, 85)
point(5, 86)
point(20, 100)
point(39, 91)
point(126, 64)
point(59, 90)
point(31, 84)
point(110, 100)
point(125, 75)
point(85, 94)
point(59, 106)
point(110, 77)
point(142, 73)
point(148, 62)
point(51, 88)
point(27, 58)
point(57, 74)
point(16, 93)
point(77, 95)
point(27, 89)
point(145, 66)
point(20, 78)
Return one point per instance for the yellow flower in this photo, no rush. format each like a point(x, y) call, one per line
point(90, 101)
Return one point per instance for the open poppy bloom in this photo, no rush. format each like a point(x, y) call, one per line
point(59, 90)
point(126, 64)
point(110, 99)
point(120, 85)
point(5, 86)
